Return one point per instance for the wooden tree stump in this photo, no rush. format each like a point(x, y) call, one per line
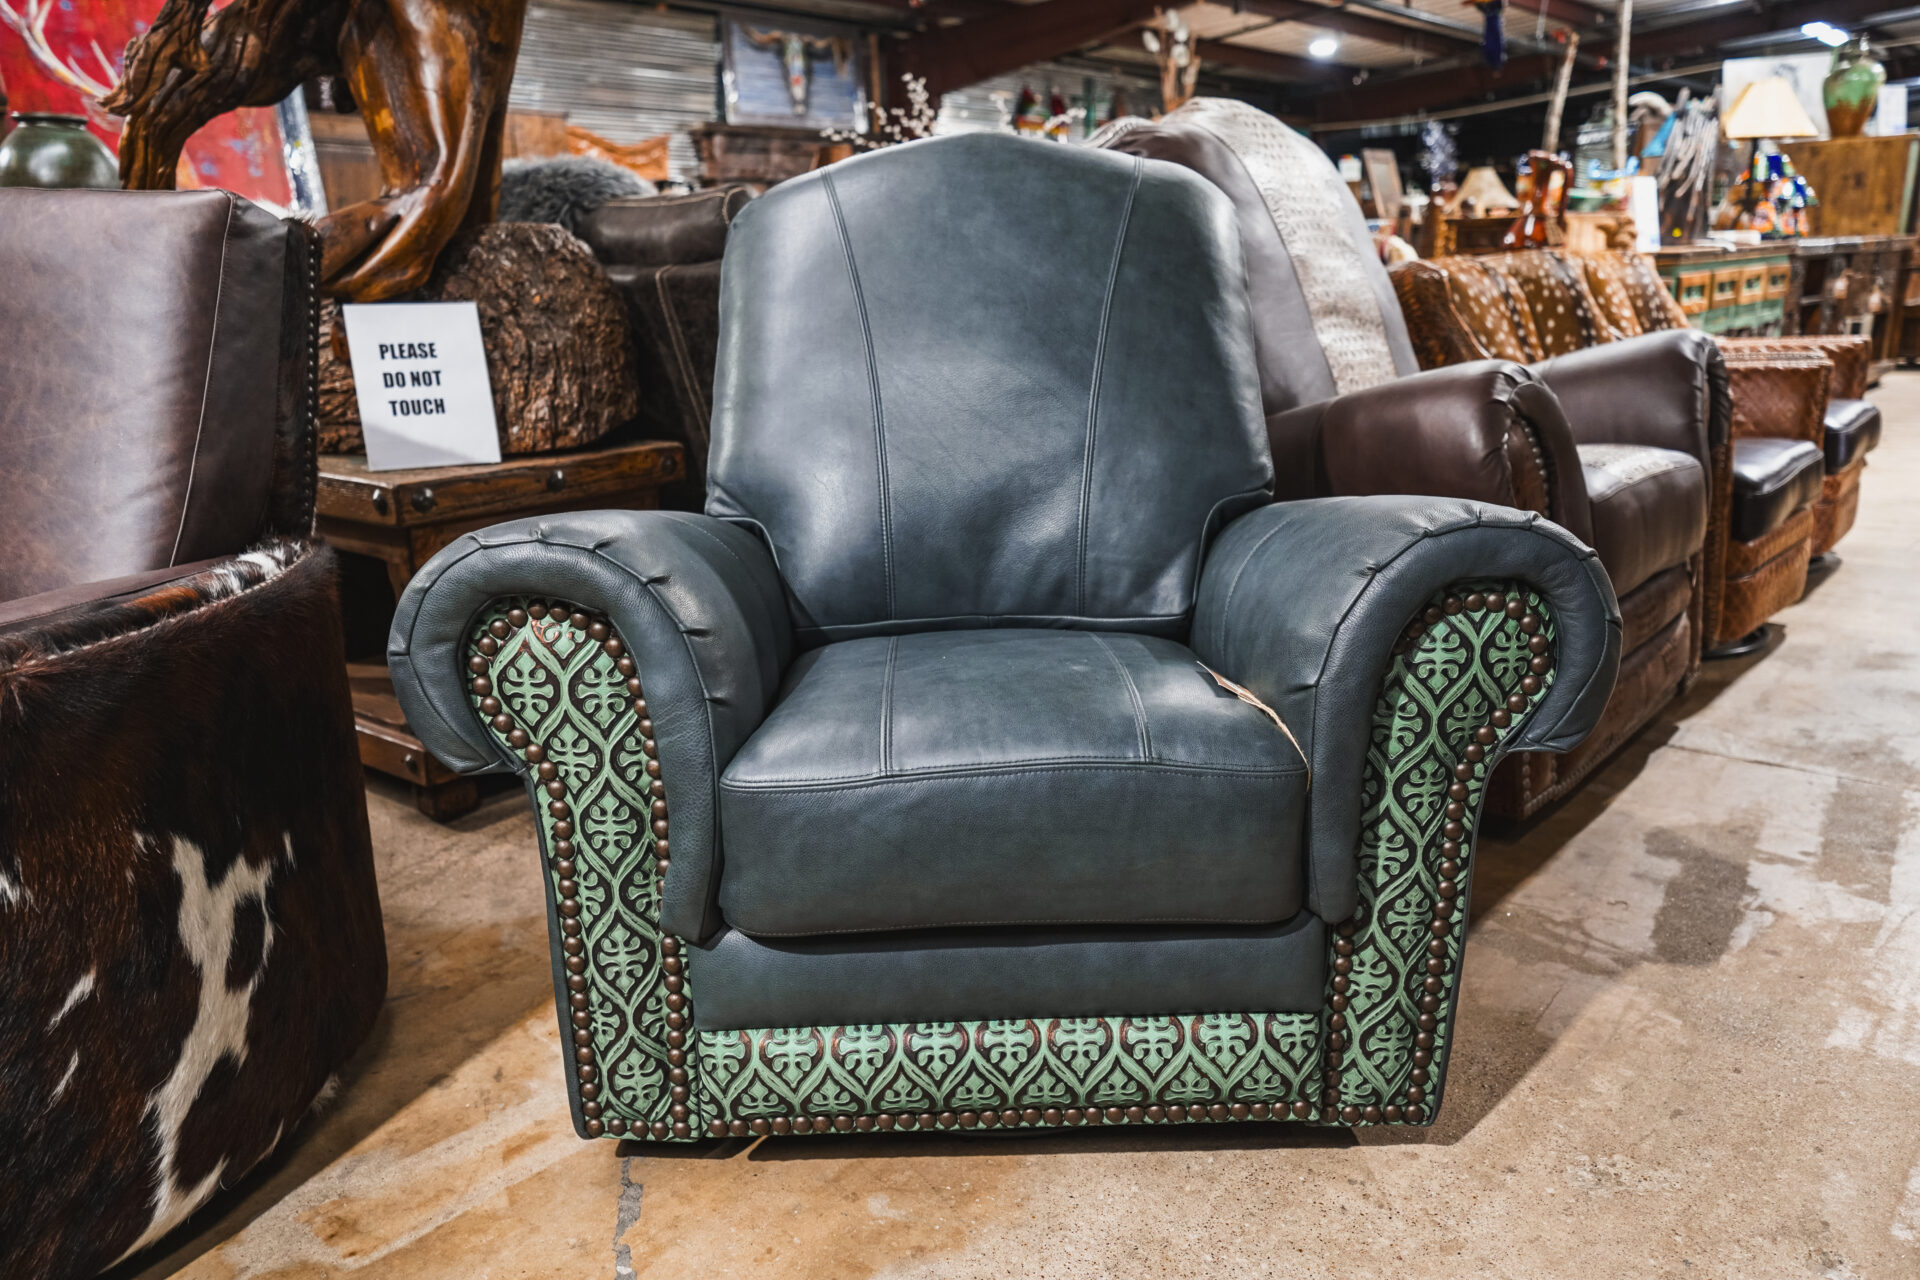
point(559, 354)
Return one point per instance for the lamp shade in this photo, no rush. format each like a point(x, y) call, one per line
point(1768, 109)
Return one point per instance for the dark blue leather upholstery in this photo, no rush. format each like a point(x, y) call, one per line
point(1009, 777)
point(967, 382)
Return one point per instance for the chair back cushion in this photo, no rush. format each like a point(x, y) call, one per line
point(155, 349)
point(1325, 318)
point(1528, 305)
point(980, 381)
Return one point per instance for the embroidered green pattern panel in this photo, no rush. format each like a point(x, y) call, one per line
point(1463, 677)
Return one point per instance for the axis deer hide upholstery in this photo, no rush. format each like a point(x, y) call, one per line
point(190, 937)
point(993, 752)
point(1348, 412)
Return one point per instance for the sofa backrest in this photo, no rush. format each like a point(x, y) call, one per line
point(1325, 318)
point(1531, 304)
point(156, 382)
point(981, 380)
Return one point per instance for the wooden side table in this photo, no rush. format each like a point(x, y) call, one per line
point(401, 518)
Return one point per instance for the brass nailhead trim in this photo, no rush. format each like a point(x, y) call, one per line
point(1409, 1106)
point(586, 1062)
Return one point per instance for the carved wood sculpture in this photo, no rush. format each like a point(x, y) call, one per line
point(431, 78)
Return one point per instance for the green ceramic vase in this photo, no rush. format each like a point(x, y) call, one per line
point(49, 150)
point(1852, 88)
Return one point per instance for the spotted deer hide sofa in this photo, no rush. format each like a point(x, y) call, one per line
point(1558, 310)
point(190, 937)
point(1349, 412)
point(993, 753)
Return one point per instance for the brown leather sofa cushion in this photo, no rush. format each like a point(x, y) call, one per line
point(1649, 509)
point(1772, 479)
point(1853, 428)
point(142, 365)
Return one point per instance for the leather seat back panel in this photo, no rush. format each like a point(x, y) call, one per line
point(141, 374)
point(934, 426)
point(1003, 973)
point(1009, 777)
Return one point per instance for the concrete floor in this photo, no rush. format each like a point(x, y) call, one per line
point(1689, 1045)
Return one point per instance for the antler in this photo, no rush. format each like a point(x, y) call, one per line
point(32, 27)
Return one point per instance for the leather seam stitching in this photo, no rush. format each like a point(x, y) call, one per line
point(1133, 696)
point(1093, 390)
point(886, 708)
point(873, 386)
point(1109, 922)
point(677, 339)
point(1055, 764)
point(206, 386)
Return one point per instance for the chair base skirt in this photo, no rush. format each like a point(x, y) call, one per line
point(558, 689)
point(1763, 577)
point(1837, 506)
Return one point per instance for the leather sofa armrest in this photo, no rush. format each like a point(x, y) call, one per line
point(1780, 393)
point(658, 231)
point(697, 602)
point(1303, 602)
point(1487, 431)
point(1667, 390)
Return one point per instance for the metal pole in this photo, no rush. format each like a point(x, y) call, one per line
point(1620, 86)
point(1550, 136)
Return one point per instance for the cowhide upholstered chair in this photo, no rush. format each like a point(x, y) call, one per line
point(190, 937)
point(993, 752)
point(1538, 305)
point(1349, 412)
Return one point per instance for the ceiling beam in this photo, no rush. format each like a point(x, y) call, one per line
point(1409, 94)
point(955, 57)
point(1284, 66)
point(1574, 13)
point(1350, 22)
point(1706, 34)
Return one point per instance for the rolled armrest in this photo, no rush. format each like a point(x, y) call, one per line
point(1302, 602)
point(1666, 389)
point(1487, 431)
point(697, 603)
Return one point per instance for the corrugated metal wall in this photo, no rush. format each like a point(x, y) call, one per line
point(624, 72)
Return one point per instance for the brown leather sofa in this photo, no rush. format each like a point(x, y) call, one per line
point(1537, 305)
point(1350, 412)
point(663, 254)
point(190, 936)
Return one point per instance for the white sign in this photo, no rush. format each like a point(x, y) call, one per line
point(420, 374)
point(1643, 201)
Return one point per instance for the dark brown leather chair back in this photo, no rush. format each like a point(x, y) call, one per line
point(156, 384)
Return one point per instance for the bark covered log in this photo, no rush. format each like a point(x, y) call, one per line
point(559, 354)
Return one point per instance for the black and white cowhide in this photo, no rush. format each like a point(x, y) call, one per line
point(190, 940)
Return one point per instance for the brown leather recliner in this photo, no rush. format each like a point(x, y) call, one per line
point(1631, 299)
point(663, 254)
point(1349, 412)
point(1538, 305)
point(190, 936)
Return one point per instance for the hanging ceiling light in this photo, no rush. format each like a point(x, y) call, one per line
point(1825, 32)
point(1324, 46)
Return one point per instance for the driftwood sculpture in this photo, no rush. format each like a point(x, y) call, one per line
point(431, 78)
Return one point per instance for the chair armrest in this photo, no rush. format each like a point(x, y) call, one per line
point(1666, 389)
point(1852, 356)
point(1303, 603)
point(1487, 431)
point(1780, 393)
point(698, 605)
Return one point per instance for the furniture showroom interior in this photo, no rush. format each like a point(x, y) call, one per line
point(959, 639)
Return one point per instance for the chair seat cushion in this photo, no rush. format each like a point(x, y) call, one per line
point(1853, 428)
point(1649, 509)
point(1772, 479)
point(1009, 777)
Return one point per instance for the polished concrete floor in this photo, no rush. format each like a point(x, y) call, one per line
point(1689, 1045)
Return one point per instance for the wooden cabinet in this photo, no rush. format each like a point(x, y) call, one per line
point(1851, 284)
point(1730, 291)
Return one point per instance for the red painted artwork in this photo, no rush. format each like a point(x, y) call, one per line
point(59, 55)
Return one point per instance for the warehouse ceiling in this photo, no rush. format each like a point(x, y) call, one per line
point(1326, 64)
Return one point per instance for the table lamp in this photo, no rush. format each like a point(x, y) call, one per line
point(1765, 109)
